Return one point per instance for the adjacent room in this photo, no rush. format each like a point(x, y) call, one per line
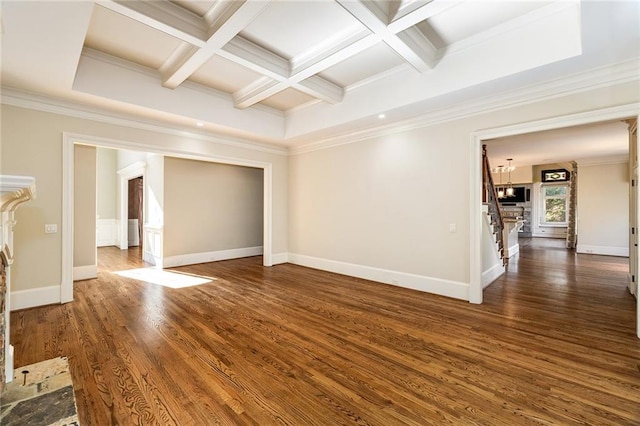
point(319, 212)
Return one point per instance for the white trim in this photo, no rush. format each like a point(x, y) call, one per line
point(279, 258)
point(87, 272)
point(492, 274)
point(513, 250)
point(69, 139)
point(133, 235)
point(210, 256)
point(132, 171)
point(620, 73)
point(475, 214)
point(476, 227)
point(66, 284)
point(602, 161)
point(454, 289)
point(72, 109)
point(107, 232)
point(24, 299)
point(603, 250)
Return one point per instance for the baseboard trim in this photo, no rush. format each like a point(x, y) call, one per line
point(492, 274)
point(279, 258)
point(513, 250)
point(454, 289)
point(87, 272)
point(23, 299)
point(210, 256)
point(603, 250)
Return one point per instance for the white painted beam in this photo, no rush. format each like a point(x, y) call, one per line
point(229, 22)
point(420, 14)
point(418, 52)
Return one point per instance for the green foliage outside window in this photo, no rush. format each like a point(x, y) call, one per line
point(555, 204)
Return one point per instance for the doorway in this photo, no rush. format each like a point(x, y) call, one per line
point(135, 216)
point(478, 138)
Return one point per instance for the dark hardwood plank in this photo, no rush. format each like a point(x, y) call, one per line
point(553, 343)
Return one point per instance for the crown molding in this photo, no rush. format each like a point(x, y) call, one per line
point(602, 161)
point(605, 76)
point(73, 109)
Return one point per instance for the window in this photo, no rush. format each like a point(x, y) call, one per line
point(554, 204)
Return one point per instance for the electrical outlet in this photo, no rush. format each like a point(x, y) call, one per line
point(50, 228)
point(452, 227)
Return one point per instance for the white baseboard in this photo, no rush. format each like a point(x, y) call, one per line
point(604, 250)
point(454, 289)
point(132, 233)
point(279, 258)
point(210, 256)
point(23, 299)
point(513, 250)
point(106, 232)
point(492, 274)
point(154, 260)
point(87, 272)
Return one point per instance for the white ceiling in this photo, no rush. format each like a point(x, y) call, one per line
point(599, 141)
point(290, 73)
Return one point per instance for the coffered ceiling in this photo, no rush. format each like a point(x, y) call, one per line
point(294, 72)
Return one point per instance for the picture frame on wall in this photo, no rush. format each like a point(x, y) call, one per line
point(556, 175)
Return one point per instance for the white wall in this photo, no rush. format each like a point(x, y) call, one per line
point(211, 207)
point(107, 182)
point(382, 208)
point(603, 209)
point(84, 217)
point(31, 145)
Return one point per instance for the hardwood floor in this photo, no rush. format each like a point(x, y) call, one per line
point(554, 343)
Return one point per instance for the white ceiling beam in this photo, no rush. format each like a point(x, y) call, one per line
point(338, 52)
point(163, 16)
point(260, 89)
point(256, 58)
point(420, 14)
point(277, 72)
point(318, 87)
point(420, 53)
point(226, 25)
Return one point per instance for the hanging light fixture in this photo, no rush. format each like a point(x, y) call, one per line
point(500, 188)
point(510, 192)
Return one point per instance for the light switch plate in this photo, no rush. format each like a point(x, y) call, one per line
point(50, 228)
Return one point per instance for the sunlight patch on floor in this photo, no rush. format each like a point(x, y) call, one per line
point(165, 278)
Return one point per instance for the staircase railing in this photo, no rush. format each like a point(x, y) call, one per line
point(490, 197)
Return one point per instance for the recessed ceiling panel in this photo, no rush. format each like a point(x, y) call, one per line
point(470, 18)
point(117, 35)
point(292, 28)
point(287, 99)
point(197, 7)
point(224, 75)
point(365, 64)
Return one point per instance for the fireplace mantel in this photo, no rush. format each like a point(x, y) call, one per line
point(14, 190)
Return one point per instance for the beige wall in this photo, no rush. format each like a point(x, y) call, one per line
point(84, 212)
point(388, 202)
point(107, 182)
point(603, 207)
point(32, 145)
point(211, 207)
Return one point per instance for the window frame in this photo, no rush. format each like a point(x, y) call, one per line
point(543, 204)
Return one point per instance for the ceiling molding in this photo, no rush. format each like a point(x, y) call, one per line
point(72, 109)
point(624, 72)
point(163, 16)
point(601, 161)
